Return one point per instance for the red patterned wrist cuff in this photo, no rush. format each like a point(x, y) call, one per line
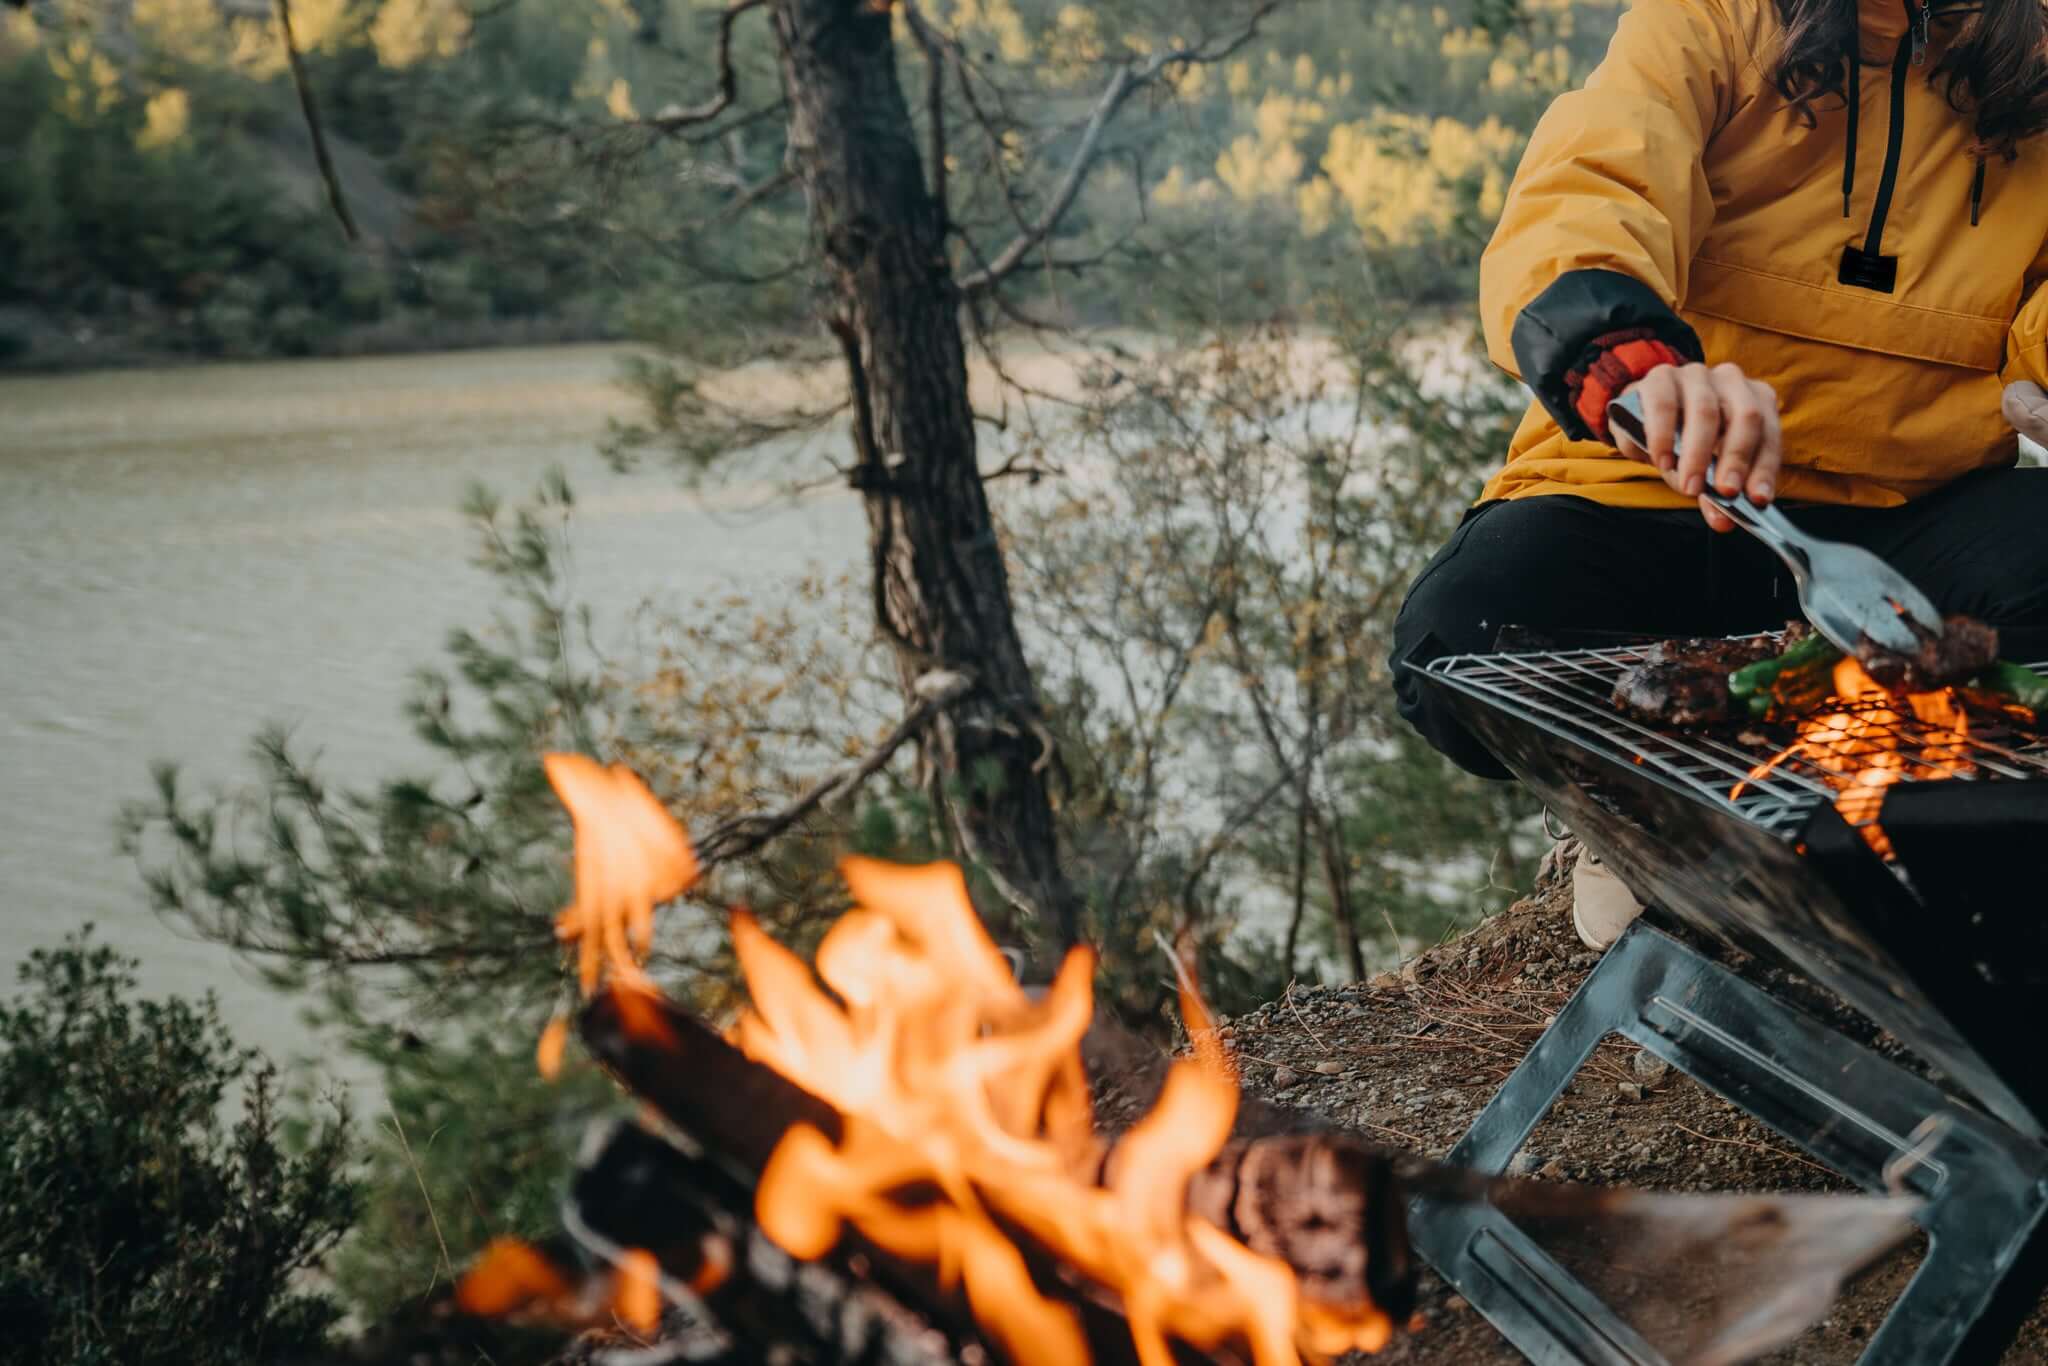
point(1612, 363)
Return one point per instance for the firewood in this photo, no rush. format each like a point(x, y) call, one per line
point(735, 1111)
point(734, 1296)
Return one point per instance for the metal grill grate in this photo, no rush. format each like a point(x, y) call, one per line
point(1744, 771)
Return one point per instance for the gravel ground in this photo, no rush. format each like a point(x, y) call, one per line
point(1409, 1059)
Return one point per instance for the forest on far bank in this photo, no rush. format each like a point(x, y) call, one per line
point(505, 168)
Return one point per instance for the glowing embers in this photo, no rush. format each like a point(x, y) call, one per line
point(1863, 740)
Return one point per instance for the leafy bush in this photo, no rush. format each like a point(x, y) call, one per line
point(139, 1227)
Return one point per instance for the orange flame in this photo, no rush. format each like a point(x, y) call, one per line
point(511, 1276)
point(506, 1276)
point(547, 1056)
point(630, 855)
point(950, 1077)
point(1859, 748)
point(638, 1297)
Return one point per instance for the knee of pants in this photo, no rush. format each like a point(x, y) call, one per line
point(1438, 620)
point(1992, 560)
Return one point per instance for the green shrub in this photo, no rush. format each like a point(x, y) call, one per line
point(139, 1227)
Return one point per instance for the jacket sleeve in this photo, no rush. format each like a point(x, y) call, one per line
point(2026, 349)
point(1611, 200)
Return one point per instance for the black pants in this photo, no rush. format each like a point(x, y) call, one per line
point(1563, 565)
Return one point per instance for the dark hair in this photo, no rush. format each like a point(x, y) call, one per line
point(1995, 63)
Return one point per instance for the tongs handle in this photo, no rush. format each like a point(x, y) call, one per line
point(1765, 522)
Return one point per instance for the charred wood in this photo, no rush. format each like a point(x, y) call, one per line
point(730, 1113)
point(735, 1297)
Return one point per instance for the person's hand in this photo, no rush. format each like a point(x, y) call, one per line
point(1727, 418)
point(2026, 408)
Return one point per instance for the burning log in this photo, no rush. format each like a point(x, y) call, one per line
point(712, 1287)
point(737, 1112)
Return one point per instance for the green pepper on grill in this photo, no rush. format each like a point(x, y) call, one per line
point(2014, 683)
point(1802, 678)
point(1787, 684)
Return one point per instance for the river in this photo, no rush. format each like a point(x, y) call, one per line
point(191, 553)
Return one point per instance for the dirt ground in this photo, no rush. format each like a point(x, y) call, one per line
point(1410, 1058)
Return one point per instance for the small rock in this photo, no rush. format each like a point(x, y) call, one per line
point(1327, 1069)
point(1649, 1068)
point(1523, 1163)
point(1284, 1077)
point(1630, 1091)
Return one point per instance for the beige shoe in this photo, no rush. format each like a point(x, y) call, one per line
point(1602, 907)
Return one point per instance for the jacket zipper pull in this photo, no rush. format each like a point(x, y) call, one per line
point(1922, 14)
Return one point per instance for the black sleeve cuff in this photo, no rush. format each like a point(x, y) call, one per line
point(1551, 335)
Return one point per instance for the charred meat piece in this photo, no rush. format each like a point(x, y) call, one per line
point(1685, 682)
point(1966, 647)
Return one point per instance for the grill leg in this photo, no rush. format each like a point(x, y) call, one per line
point(1536, 1304)
point(1986, 1188)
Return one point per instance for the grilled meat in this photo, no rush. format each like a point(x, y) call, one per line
point(1684, 683)
point(1966, 647)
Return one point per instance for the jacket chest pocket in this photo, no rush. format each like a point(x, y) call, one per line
point(1895, 324)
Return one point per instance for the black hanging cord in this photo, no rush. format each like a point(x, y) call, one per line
point(1855, 110)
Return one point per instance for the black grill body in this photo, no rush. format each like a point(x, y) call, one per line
point(1943, 946)
point(1938, 940)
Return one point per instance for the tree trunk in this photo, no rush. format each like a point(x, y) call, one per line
point(941, 591)
point(1342, 913)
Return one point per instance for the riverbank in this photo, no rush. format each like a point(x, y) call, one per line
point(35, 342)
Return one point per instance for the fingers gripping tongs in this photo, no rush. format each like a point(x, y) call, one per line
point(1849, 594)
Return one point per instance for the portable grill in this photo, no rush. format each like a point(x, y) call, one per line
point(1929, 924)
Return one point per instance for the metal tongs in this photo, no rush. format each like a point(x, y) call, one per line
point(1850, 595)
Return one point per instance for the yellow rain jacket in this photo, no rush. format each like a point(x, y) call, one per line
point(1679, 192)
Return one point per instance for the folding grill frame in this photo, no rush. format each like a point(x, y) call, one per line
point(1774, 867)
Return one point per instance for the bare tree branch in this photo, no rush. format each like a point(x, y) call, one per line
point(335, 199)
point(742, 835)
point(728, 80)
point(1128, 80)
point(1217, 842)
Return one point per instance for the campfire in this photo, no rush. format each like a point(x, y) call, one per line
point(965, 1107)
point(905, 1120)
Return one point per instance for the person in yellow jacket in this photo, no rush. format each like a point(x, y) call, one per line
point(1813, 234)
